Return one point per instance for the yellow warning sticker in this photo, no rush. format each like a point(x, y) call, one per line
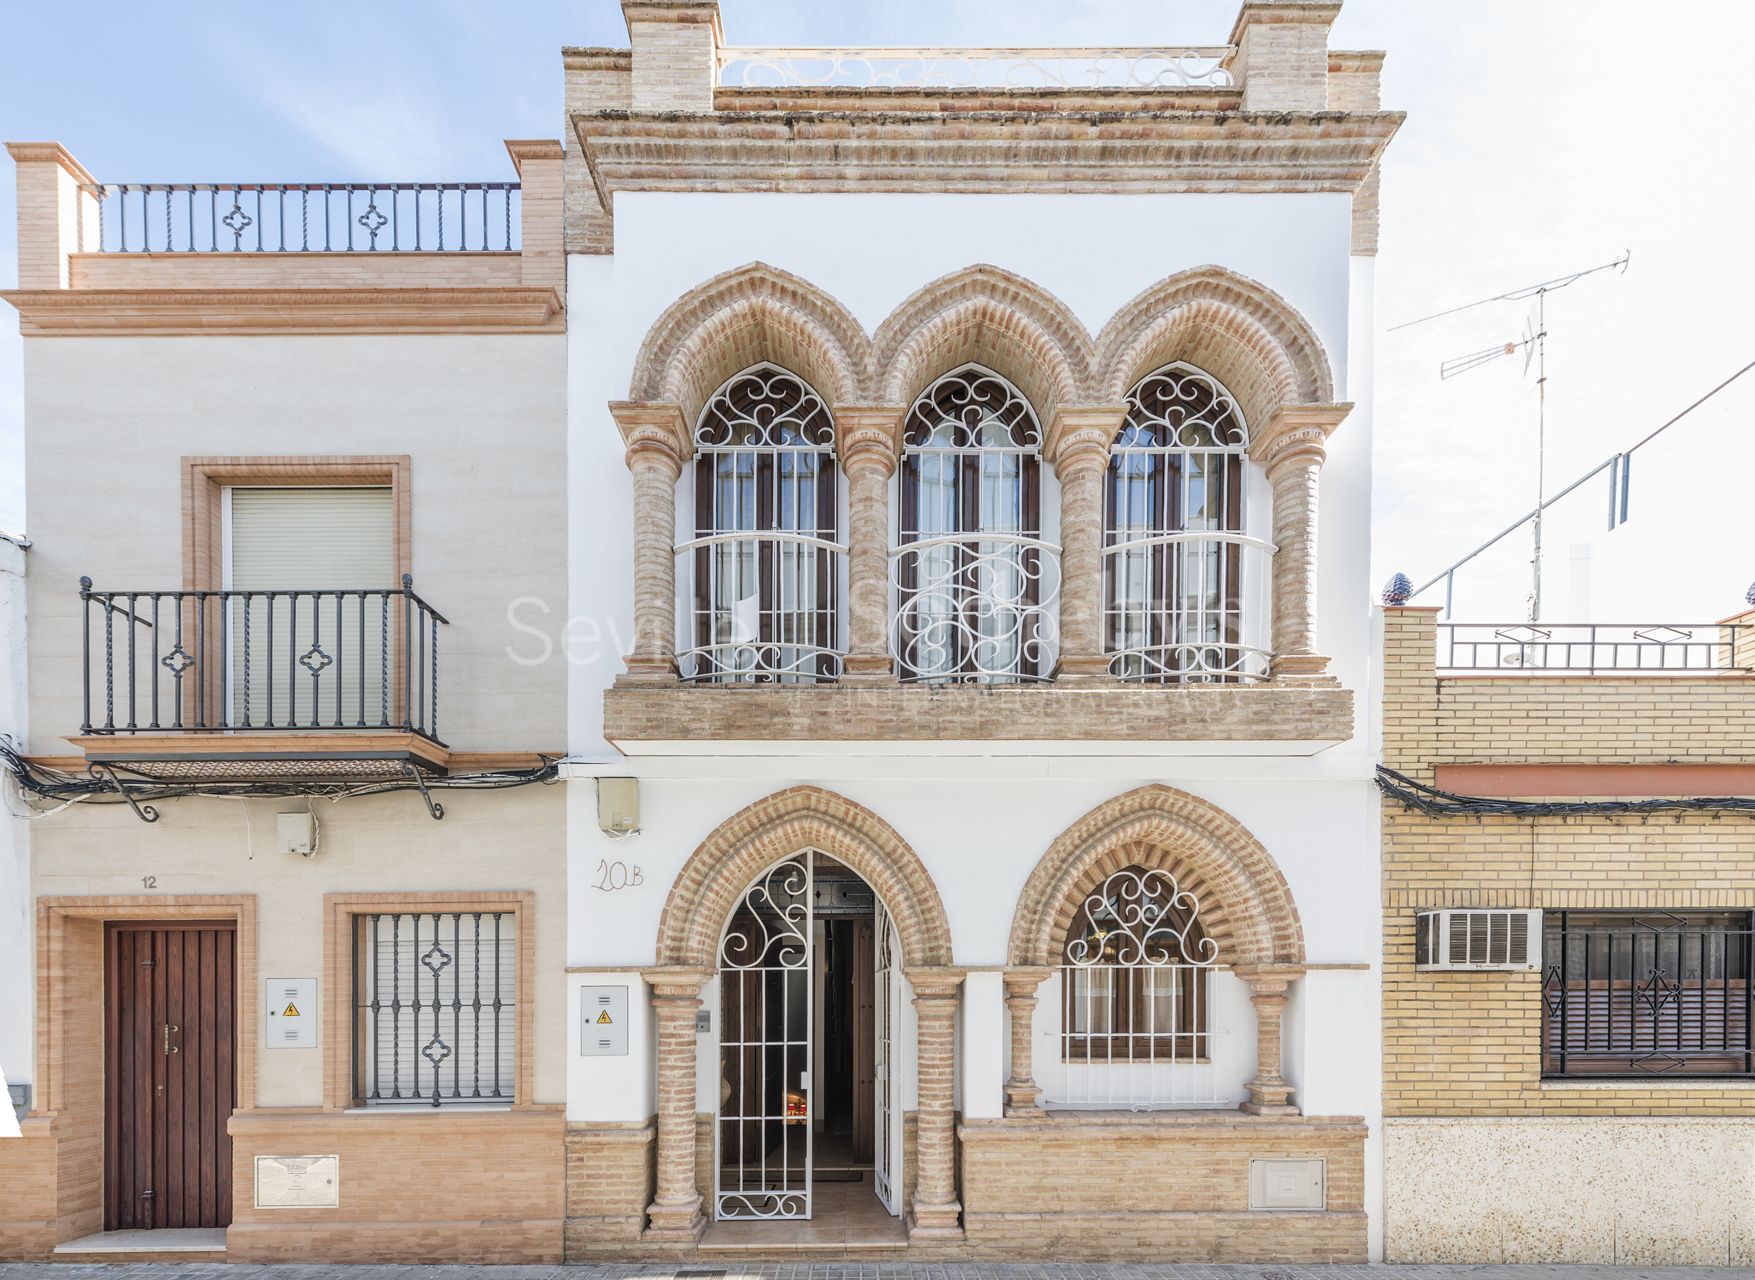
point(291, 1011)
point(603, 1019)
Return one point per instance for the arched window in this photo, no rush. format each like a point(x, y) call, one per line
point(972, 574)
point(1178, 569)
point(764, 565)
point(1134, 973)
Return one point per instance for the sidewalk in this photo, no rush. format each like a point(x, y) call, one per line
point(858, 1271)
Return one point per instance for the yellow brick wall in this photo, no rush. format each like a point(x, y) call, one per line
point(1462, 1044)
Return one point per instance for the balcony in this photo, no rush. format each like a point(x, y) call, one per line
point(972, 658)
point(335, 683)
point(275, 257)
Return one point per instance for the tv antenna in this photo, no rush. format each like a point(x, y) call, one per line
point(1534, 345)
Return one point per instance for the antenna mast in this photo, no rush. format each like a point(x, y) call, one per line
point(1534, 343)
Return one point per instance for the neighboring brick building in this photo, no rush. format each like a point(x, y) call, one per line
point(1595, 1101)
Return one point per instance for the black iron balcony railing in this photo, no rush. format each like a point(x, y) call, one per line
point(1594, 648)
point(306, 217)
point(212, 661)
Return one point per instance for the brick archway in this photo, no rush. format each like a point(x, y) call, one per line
point(988, 316)
point(744, 317)
point(1238, 330)
point(1246, 906)
point(707, 889)
point(702, 899)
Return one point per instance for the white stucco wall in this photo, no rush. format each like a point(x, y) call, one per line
point(16, 916)
point(978, 822)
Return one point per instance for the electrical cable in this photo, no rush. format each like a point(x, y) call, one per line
point(1420, 798)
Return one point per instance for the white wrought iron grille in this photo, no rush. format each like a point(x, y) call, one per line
point(976, 68)
point(763, 1134)
point(1134, 997)
point(764, 570)
point(974, 583)
point(435, 1007)
point(1183, 585)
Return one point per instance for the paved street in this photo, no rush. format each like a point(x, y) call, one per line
point(856, 1271)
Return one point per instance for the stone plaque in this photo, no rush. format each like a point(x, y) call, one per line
point(298, 1182)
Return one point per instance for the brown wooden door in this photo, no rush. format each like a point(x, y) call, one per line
point(864, 1033)
point(170, 1047)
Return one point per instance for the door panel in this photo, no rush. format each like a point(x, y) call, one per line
point(887, 1120)
point(170, 1046)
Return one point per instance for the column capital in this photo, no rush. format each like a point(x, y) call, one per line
point(1079, 436)
point(1297, 433)
point(1269, 979)
point(935, 982)
point(1021, 982)
point(655, 433)
point(676, 982)
point(869, 436)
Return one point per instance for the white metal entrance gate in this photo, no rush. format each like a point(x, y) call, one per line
point(887, 1144)
point(762, 1141)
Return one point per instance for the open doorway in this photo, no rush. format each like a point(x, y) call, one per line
point(809, 1127)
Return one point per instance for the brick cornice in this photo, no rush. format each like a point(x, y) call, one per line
point(1155, 151)
point(76, 312)
point(1254, 13)
point(522, 149)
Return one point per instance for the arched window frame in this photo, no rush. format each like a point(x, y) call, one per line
point(1185, 586)
point(1134, 974)
point(763, 592)
point(972, 577)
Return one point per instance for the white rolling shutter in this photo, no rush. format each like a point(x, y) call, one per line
point(312, 539)
point(305, 554)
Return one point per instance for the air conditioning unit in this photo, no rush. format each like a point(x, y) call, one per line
point(1456, 939)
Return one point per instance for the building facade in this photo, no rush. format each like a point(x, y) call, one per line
point(913, 506)
point(1568, 874)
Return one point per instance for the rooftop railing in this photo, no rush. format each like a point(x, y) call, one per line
point(306, 217)
point(1581, 648)
point(976, 68)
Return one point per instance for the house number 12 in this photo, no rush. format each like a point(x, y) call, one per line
point(612, 876)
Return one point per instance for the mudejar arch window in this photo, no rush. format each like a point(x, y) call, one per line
point(973, 580)
point(1185, 588)
point(762, 575)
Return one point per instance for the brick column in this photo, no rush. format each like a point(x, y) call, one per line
point(542, 256)
point(1291, 451)
point(675, 1212)
point(658, 445)
point(867, 440)
point(675, 46)
point(935, 1211)
point(1022, 1097)
point(1269, 1094)
point(1078, 446)
point(1282, 53)
point(55, 217)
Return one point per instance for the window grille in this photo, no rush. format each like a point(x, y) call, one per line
point(764, 569)
point(1134, 995)
point(435, 1007)
point(1648, 994)
point(1179, 574)
point(973, 578)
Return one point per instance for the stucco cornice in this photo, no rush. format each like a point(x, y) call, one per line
point(84, 312)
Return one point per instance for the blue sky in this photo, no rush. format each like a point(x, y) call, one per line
point(1541, 137)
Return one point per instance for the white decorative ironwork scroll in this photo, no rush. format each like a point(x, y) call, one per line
point(763, 1129)
point(1134, 987)
point(976, 68)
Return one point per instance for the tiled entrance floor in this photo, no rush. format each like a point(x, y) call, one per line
point(845, 1217)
